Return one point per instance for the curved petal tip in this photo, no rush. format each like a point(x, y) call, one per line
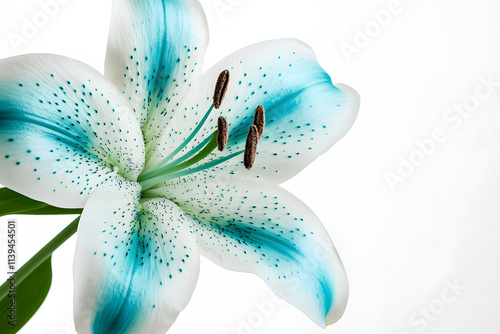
point(352, 102)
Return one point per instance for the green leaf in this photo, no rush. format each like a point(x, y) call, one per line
point(22, 295)
point(19, 300)
point(14, 203)
point(32, 283)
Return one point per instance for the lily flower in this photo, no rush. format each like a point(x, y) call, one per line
point(169, 162)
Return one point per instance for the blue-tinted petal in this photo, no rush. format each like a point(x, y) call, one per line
point(136, 263)
point(64, 129)
point(155, 51)
point(305, 113)
point(260, 228)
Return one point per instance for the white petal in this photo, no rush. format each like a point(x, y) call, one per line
point(136, 263)
point(260, 228)
point(305, 113)
point(63, 129)
point(155, 51)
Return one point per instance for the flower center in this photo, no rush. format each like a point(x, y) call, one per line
point(171, 167)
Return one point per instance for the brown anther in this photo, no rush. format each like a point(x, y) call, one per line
point(221, 88)
point(259, 119)
point(223, 133)
point(251, 147)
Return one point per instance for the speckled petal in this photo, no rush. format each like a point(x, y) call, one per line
point(64, 129)
point(155, 51)
point(136, 263)
point(263, 229)
point(305, 113)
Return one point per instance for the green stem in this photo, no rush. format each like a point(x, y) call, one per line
point(42, 255)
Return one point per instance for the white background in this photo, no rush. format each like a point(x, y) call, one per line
point(400, 245)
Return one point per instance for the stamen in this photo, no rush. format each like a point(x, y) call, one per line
point(223, 135)
point(221, 88)
point(251, 147)
point(218, 140)
point(219, 94)
point(259, 119)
